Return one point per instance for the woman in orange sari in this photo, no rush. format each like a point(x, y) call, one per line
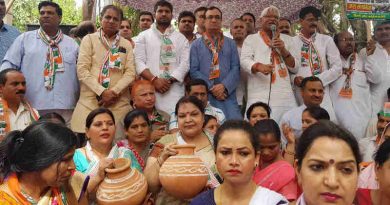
point(38, 167)
point(273, 171)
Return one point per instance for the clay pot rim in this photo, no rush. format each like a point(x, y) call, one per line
point(126, 165)
point(184, 146)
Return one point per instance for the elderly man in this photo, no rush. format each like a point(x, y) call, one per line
point(7, 33)
point(214, 59)
point(161, 56)
point(319, 56)
point(250, 21)
point(351, 92)
point(47, 58)
point(187, 24)
point(268, 58)
point(200, 19)
point(15, 113)
point(380, 56)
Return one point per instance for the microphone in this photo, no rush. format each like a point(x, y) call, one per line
point(273, 30)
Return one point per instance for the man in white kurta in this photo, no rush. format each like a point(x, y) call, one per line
point(161, 56)
point(381, 59)
point(319, 56)
point(351, 92)
point(268, 80)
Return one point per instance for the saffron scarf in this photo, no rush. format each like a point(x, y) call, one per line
point(215, 46)
point(111, 60)
point(309, 54)
point(276, 58)
point(53, 62)
point(5, 125)
point(167, 51)
point(346, 90)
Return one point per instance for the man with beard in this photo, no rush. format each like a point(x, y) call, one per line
point(319, 56)
point(351, 92)
point(161, 56)
point(187, 24)
point(368, 146)
point(7, 33)
point(15, 113)
point(47, 58)
point(285, 26)
point(214, 59)
point(380, 51)
point(250, 21)
point(239, 33)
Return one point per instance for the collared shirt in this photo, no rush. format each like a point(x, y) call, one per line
point(7, 36)
point(209, 110)
point(28, 54)
point(293, 118)
point(21, 119)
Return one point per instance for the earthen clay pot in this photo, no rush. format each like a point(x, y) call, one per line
point(122, 185)
point(184, 175)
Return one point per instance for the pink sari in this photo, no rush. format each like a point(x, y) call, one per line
point(279, 177)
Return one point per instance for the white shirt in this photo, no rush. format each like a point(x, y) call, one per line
point(264, 196)
point(354, 114)
point(293, 118)
point(367, 148)
point(331, 68)
point(380, 59)
point(147, 56)
point(240, 91)
point(21, 119)
point(282, 98)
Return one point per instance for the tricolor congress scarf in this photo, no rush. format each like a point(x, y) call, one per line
point(215, 46)
point(167, 51)
point(346, 90)
point(309, 54)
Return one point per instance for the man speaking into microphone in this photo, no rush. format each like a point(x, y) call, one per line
point(268, 58)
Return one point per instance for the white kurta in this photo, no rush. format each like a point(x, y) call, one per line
point(380, 59)
point(293, 118)
point(354, 114)
point(367, 148)
point(147, 56)
point(282, 98)
point(241, 88)
point(331, 66)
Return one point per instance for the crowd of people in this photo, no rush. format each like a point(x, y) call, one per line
point(277, 118)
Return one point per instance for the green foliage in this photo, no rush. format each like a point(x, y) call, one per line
point(26, 12)
point(131, 14)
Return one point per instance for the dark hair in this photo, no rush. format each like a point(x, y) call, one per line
point(258, 104)
point(325, 128)
point(52, 4)
point(145, 13)
point(285, 19)
point(73, 31)
point(163, 3)
point(91, 116)
point(194, 82)
point(309, 10)
point(52, 117)
point(186, 14)
point(249, 14)
point(267, 126)
point(202, 8)
point(84, 28)
point(388, 92)
point(189, 99)
point(207, 118)
point(128, 21)
point(381, 23)
point(212, 8)
point(317, 113)
point(383, 153)
point(237, 125)
point(310, 79)
point(3, 74)
point(113, 7)
point(130, 116)
point(35, 148)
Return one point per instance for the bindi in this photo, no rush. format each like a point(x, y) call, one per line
point(331, 161)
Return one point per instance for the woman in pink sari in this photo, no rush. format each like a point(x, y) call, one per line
point(273, 171)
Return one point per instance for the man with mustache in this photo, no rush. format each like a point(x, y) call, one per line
point(319, 56)
point(47, 58)
point(187, 24)
point(350, 93)
point(250, 22)
point(8, 33)
point(285, 26)
point(161, 56)
point(15, 112)
point(268, 57)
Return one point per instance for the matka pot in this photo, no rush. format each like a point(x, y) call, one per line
point(122, 185)
point(184, 175)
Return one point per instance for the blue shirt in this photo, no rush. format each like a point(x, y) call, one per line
point(229, 66)
point(7, 36)
point(28, 54)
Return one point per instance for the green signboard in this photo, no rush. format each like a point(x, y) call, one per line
point(368, 9)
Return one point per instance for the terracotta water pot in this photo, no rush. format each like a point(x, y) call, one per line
point(122, 185)
point(184, 175)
